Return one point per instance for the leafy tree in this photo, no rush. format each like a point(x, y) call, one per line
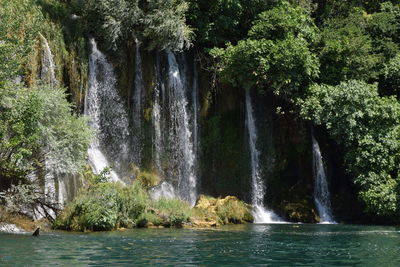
point(162, 23)
point(347, 49)
point(368, 127)
point(391, 71)
point(383, 26)
point(276, 55)
point(216, 22)
point(20, 23)
point(37, 126)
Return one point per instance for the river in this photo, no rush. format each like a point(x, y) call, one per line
point(240, 245)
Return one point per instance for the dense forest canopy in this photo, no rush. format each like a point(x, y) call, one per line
point(335, 64)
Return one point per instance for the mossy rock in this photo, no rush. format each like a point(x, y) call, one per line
point(227, 210)
point(300, 212)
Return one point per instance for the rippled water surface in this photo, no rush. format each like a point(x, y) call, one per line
point(243, 245)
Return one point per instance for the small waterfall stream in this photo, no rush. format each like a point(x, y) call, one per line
point(321, 189)
point(196, 111)
point(260, 213)
point(48, 70)
point(156, 118)
point(137, 107)
point(107, 114)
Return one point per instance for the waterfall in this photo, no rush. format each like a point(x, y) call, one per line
point(137, 107)
point(107, 116)
point(48, 70)
point(156, 118)
point(321, 190)
point(196, 110)
point(261, 215)
point(180, 134)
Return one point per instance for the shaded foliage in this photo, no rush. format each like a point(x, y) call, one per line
point(368, 126)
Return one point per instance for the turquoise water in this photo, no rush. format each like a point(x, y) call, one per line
point(243, 245)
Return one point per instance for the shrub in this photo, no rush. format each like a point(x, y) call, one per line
point(133, 201)
point(104, 206)
point(173, 212)
point(147, 218)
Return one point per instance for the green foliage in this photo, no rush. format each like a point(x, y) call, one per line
point(37, 125)
point(20, 23)
point(104, 206)
point(174, 212)
point(102, 177)
point(392, 75)
point(219, 21)
point(133, 201)
point(280, 62)
point(232, 210)
point(148, 179)
point(148, 218)
point(21, 110)
point(161, 23)
point(383, 26)
point(346, 49)
point(368, 127)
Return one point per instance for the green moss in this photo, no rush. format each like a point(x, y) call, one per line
point(148, 179)
point(223, 211)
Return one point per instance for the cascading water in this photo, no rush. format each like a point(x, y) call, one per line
point(48, 70)
point(156, 118)
point(107, 114)
point(196, 110)
point(180, 135)
point(261, 215)
point(321, 190)
point(137, 107)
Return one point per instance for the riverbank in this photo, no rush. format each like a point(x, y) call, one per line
point(18, 223)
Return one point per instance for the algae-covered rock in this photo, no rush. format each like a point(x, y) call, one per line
point(211, 211)
point(300, 212)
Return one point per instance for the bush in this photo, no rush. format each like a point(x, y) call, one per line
point(148, 179)
point(148, 218)
point(104, 206)
point(37, 126)
point(133, 201)
point(173, 212)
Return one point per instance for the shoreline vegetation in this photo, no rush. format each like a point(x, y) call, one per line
point(104, 206)
point(108, 206)
point(327, 67)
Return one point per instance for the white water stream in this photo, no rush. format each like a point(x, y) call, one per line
point(107, 115)
point(260, 213)
point(321, 189)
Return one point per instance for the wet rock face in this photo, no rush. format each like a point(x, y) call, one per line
point(9, 228)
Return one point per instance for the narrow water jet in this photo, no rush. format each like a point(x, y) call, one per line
point(321, 189)
point(107, 116)
point(156, 118)
point(195, 112)
point(138, 92)
point(260, 213)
